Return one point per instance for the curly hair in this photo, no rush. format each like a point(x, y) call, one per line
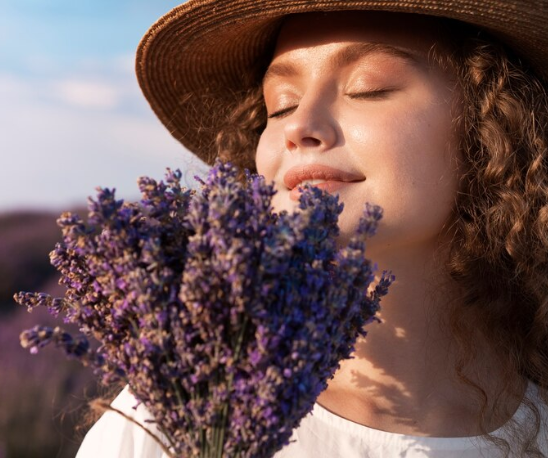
point(499, 251)
point(237, 140)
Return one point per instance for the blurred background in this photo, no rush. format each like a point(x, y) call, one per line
point(71, 118)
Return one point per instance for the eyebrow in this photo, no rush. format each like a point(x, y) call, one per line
point(346, 56)
point(355, 51)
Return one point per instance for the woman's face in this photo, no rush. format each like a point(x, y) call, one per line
point(354, 105)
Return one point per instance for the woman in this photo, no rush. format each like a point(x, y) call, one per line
point(435, 121)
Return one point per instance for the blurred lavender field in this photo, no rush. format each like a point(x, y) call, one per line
point(43, 397)
point(85, 124)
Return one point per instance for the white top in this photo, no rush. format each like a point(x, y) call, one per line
point(321, 434)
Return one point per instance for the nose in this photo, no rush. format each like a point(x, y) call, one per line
point(310, 126)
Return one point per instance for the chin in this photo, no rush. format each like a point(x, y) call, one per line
point(281, 202)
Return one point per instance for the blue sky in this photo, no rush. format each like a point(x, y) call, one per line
point(71, 113)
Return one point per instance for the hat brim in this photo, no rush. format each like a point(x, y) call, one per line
point(198, 57)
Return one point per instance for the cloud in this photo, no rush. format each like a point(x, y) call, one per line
point(87, 94)
point(63, 136)
point(13, 88)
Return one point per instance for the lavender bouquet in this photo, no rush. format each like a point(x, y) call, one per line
point(225, 318)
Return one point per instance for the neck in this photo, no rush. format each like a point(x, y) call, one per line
point(402, 377)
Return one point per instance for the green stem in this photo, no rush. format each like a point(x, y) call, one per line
point(217, 426)
point(165, 449)
point(219, 444)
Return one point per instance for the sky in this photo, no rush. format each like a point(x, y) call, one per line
point(72, 116)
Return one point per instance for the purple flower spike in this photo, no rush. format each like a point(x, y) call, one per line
point(225, 318)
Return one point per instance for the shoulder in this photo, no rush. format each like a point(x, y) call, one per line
point(526, 433)
point(114, 436)
point(536, 404)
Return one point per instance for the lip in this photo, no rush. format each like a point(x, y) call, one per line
point(334, 178)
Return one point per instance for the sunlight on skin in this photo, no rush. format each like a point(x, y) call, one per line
point(382, 124)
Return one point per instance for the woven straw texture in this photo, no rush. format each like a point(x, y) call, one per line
point(200, 55)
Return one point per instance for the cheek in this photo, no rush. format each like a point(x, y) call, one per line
point(409, 156)
point(268, 158)
point(412, 140)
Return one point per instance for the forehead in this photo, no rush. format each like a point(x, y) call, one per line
point(415, 33)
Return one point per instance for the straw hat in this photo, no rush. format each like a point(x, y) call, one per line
point(200, 55)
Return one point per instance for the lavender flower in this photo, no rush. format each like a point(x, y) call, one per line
point(225, 318)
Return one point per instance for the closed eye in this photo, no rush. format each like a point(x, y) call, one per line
point(371, 95)
point(282, 112)
point(376, 94)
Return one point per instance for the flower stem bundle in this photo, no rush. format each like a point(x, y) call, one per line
point(225, 318)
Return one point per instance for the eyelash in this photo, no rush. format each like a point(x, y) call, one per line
point(371, 95)
point(280, 113)
point(376, 94)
